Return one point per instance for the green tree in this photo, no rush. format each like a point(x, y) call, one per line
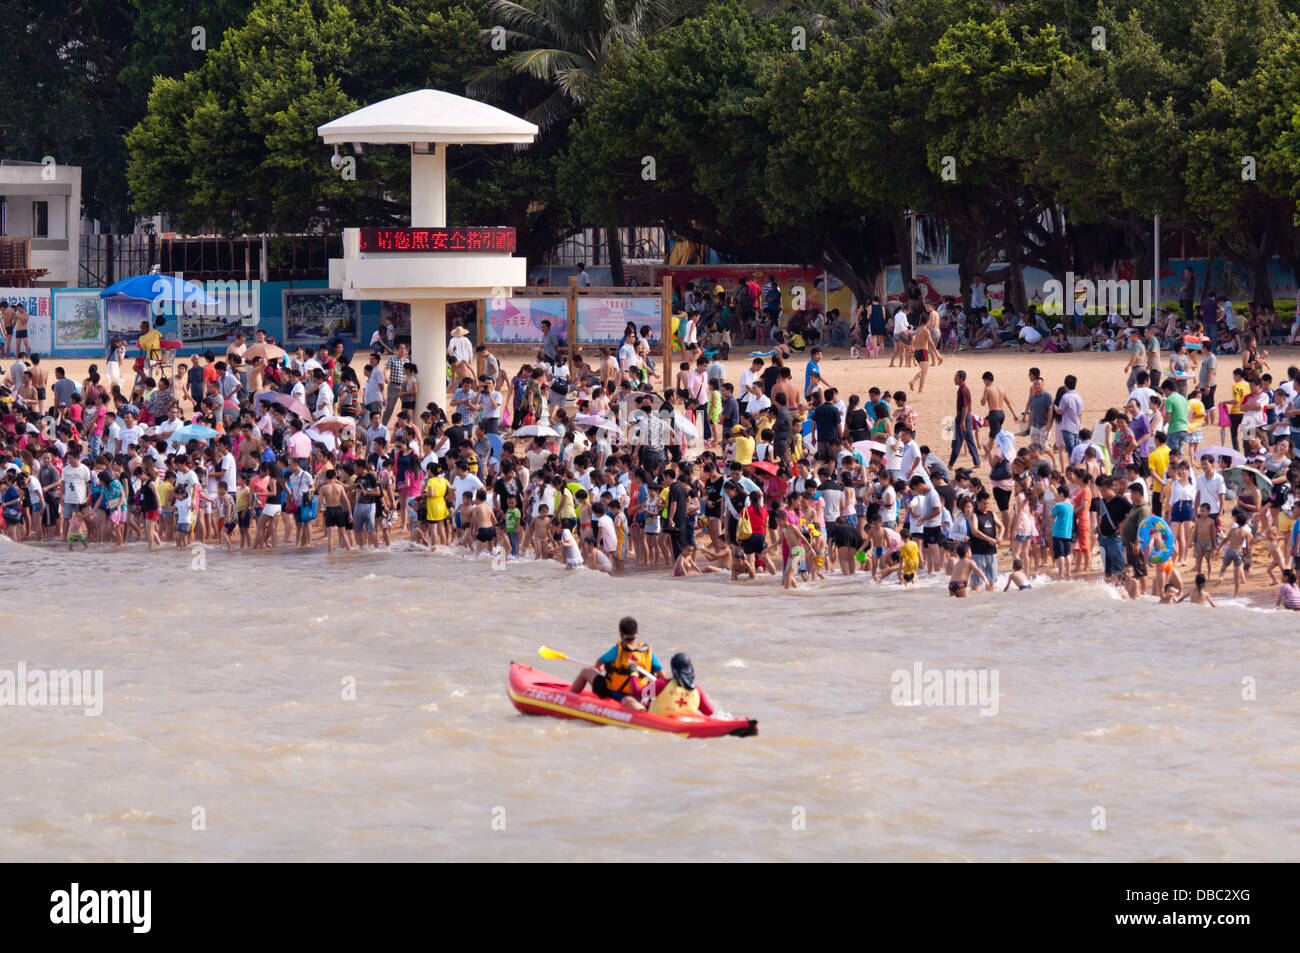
point(569, 46)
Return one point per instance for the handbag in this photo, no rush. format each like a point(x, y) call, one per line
point(744, 528)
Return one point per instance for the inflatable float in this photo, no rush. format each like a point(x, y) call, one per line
point(538, 693)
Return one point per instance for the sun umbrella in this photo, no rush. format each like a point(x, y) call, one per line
point(287, 402)
point(600, 423)
point(766, 466)
point(193, 432)
point(334, 424)
point(1222, 453)
point(536, 430)
point(869, 446)
point(327, 439)
point(684, 426)
point(267, 352)
point(159, 288)
point(1236, 476)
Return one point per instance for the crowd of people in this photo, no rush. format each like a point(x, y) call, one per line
point(618, 463)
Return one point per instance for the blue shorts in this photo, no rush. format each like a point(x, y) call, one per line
point(1181, 512)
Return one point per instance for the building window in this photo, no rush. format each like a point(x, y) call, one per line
point(40, 220)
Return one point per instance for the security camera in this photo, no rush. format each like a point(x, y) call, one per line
point(336, 160)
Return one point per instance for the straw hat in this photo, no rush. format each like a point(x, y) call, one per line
point(458, 332)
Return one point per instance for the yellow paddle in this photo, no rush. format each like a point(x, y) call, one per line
point(549, 653)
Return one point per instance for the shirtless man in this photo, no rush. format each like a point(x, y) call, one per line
point(7, 323)
point(20, 331)
point(338, 514)
point(250, 448)
point(936, 333)
point(794, 540)
point(922, 346)
point(40, 378)
point(962, 569)
point(793, 399)
point(999, 405)
point(27, 391)
point(256, 368)
point(609, 371)
point(483, 521)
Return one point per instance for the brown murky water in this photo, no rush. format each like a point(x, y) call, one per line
point(224, 703)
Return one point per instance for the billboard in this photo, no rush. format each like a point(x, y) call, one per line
point(314, 316)
point(39, 323)
point(78, 320)
point(519, 320)
point(602, 321)
point(796, 282)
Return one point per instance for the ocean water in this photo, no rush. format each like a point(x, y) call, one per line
point(227, 733)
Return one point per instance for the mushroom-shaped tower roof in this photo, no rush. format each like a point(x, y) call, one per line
point(428, 115)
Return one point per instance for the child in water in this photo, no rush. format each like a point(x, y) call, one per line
point(1018, 577)
point(962, 570)
point(1198, 595)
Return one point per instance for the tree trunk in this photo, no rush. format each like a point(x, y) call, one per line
point(903, 243)
point(1261, 295)
point(614, 243)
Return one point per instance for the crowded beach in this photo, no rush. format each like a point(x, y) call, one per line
point(902, 445)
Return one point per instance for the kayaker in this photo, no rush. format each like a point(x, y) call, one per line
point(620, 665)
point(679, 696)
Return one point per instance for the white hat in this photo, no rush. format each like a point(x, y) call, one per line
point(458, 332)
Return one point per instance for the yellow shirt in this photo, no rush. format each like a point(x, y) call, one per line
point(149, 343)
point(435, 492)
point(744, 449)
point(910, 554)
point(1239, 391)
point(564, 507)
point(164, 493)
point(1158, 461)
point(1195, 417)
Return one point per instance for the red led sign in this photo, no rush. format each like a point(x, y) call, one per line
point(464, 238)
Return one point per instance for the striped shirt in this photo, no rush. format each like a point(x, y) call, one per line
point(1290, 595)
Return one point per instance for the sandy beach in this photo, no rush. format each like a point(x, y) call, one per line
point(1100, 375)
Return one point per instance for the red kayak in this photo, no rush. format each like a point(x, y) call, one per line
point(538, 693)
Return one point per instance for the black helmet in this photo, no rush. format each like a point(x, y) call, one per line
point(683, 671)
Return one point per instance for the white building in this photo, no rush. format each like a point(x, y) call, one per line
point(43, 201)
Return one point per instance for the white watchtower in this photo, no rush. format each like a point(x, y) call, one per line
point(428, 264)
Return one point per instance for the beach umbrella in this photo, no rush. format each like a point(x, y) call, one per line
point(1236, 476)
point(536, 430)
point(193, 432)
point(600, 423)
point(287, 402)
point(1222, 453)
point(869, 446)
point(683, 425)
point(268, 352)
point(328, 440)
point(159, 288)
point(766, 466)
point(334, 424)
